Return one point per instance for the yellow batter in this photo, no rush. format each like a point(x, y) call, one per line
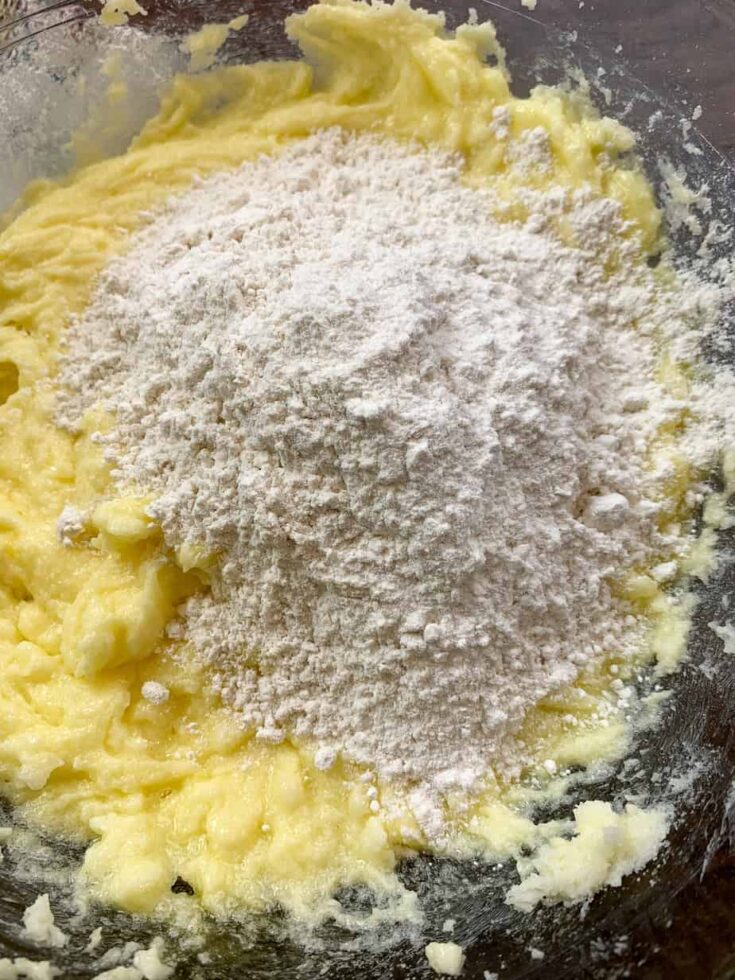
point(177, 789)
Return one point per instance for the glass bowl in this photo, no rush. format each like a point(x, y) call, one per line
point(650, 63)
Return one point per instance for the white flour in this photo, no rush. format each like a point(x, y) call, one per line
point(414, 436)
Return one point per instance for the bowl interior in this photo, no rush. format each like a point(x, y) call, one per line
point(672, 918)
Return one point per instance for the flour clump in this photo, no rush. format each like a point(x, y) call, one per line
point(413, 435)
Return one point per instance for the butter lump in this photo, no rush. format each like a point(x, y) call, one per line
point(605, 847)
point(118, 617)
point(445, 958)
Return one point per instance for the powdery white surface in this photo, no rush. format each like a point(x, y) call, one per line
point(70, 524)
point(414, 436)
point(150, 964)
point(605, 847)
point(21, 968)
point(155, 693)
point(38, 924)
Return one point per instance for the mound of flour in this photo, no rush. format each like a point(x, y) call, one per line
point(414, 436)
